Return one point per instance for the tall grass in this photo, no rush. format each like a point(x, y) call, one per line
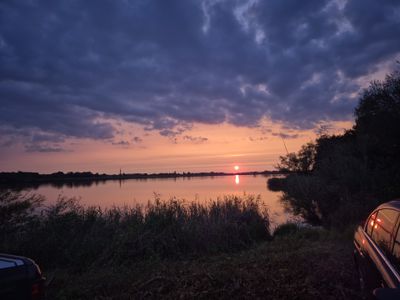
point(68, 234)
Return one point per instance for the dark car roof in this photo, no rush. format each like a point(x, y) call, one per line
point(394, 204)
point(8, 261)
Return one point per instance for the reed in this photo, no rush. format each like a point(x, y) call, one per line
point(68, 234)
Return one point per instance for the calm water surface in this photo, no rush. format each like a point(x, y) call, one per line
point(201, 189)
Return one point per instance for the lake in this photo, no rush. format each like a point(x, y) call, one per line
point(139, 191)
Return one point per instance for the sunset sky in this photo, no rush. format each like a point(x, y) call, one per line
point(190, 85)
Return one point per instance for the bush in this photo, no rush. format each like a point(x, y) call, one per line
point(276, 184)
point(286, 229)
point(300, 232)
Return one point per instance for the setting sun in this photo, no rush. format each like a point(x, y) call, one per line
point(236, 168)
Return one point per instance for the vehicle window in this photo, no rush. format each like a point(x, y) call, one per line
point(370, 224)
point(396, 251)
point(382, 231)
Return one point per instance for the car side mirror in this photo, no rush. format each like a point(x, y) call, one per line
point(387, 294)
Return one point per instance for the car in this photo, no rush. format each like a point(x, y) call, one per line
point(20, 278)
point(377, 252)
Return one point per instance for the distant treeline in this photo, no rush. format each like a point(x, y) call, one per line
point(34, 179)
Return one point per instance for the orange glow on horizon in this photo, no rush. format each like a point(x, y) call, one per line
point(210, 147)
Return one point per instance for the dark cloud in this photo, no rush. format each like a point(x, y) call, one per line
point(286, 135)
point(37, 147)
point(68, 66)
point(34, 140)
point(137, 139)
point(195, 139)
point(258, 139)
point(172, 131)
point(8, 142)
point(121, 143)
point(46, 137)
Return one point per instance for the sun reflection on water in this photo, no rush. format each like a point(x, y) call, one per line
point(237, 180)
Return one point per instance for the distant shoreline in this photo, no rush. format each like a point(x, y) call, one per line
point(35, 179)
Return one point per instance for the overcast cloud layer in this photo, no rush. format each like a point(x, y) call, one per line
point(69, 66)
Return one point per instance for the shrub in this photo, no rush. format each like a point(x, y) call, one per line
point(276, 184)
point(286, 229)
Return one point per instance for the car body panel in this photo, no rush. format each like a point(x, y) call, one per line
point(20, 278)
point(374, 265)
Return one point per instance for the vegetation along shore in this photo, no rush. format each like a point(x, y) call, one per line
point(338, 179)
point(173, 249)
